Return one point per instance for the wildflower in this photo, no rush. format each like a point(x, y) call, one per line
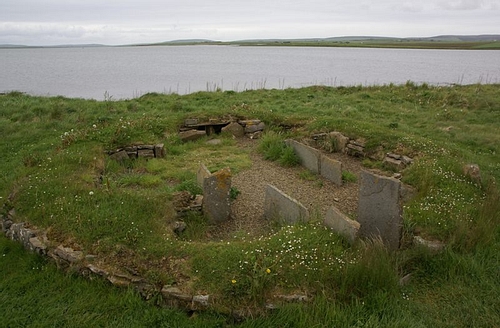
point(91, 193)
point(233, 281)
point(268, 270)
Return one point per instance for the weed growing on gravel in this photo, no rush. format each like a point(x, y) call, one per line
point(273, 148)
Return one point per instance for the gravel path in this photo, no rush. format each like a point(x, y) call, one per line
point(313, 191)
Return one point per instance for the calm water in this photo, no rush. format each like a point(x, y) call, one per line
point(129, 72)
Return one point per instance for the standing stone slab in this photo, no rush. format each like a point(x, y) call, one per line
point(281, 207)
point(159, 150)
point(341, 224)
point(202, 174)
point(331, 169)
point(379, 209)
point(309, 156)
point(217, 196)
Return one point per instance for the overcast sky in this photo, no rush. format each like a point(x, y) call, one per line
point(50, 22)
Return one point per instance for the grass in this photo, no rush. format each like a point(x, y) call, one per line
point(56, 175)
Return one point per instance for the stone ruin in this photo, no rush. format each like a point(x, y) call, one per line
point(379, 207)
point(193, 129)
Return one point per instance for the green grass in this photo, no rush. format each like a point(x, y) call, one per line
point(55, 173)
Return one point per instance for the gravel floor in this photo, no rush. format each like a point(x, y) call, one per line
point(314, 192)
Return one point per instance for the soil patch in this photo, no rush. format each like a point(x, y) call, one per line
point(313, 191)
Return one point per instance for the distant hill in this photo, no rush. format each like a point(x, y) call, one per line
point(340, 39)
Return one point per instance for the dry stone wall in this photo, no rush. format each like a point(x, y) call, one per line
point(137, 151)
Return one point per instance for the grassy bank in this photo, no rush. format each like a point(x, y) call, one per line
point(55, 173)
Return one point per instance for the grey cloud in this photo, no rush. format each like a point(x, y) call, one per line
point(463, 4)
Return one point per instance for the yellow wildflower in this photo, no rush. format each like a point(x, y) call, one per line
point(233, 281)
point(268, 270)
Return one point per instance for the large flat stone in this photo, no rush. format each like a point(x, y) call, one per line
point(331, 169)
point(309, 156)
point(379, 209)
point(281, 207)
point(341, 224)
point(191, 135)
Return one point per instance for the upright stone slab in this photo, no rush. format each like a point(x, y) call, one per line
point(159, 150)
point(379, 209)
point(202, 174)
point(309, 156)
point(331, 169)
point(217, 196)
point(341, 224)
point(281, 207)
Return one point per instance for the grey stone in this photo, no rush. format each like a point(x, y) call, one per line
point(406, 160)
point(200, 301)
point(68, 254)
point(339, 141)
point(235, 129)
point(379, 209)
point(191, 135)
point(37, 246)
point(119, 281)
point(190, 121)
point(244, 123)
point(341, 224)
point(394, 156)
point(216, 196)
point(174, 297)
point(148, 147)
point(281, 207)
point(355, 150)
point(293, 298)
point(214, 142)
point(97, 271)
point(433, 246)
point(405, 281)
point(252, 128)
point(146, 153)
point(394, 164)
point(255, 135)
point(131, 149)
point(309, 157)
point(179, 226)
point(119, 156)
point(159, 150)
point(473, 172)
point(331, 169)
point(202, 174)
point(6, 224)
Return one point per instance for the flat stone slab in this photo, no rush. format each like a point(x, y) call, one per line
point(331, 169)
point(191, 135)
point(309, 156)
point(341, 224)
point(281, 207)
point(379, 209)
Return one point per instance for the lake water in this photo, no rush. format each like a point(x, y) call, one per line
point(128, 72)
